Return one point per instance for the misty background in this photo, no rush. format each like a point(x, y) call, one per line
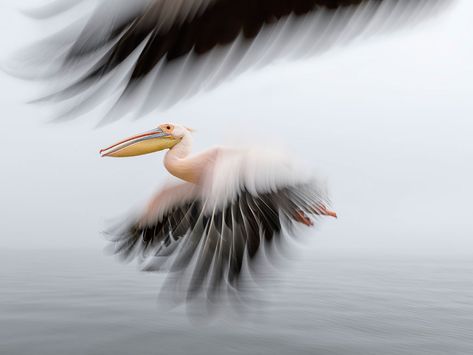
point(387, 121)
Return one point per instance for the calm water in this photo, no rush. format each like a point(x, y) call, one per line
point(86, 303)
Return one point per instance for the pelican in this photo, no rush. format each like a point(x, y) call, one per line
point(158, 52)
point(229, 204)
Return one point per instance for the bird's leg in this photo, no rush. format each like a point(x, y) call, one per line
point(324, 211)
point(301, 217)
point(321, 210)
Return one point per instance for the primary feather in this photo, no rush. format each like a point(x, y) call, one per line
point(156, 52)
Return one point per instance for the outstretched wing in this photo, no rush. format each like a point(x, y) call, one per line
point(205, 248)
point(168, 216)
point(152, 39)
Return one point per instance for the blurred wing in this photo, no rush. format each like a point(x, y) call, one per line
point(146, 44)
point(206, 248)
point(169, 215)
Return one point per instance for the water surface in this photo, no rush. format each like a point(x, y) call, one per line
point(64, 302)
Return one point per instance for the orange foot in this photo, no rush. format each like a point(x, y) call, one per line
point(301, 217)
point(326, 212)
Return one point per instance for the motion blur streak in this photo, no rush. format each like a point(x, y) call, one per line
point(142, 54)
point(224, 220)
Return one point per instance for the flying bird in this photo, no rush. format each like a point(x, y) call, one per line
point(229, 206)
point(137, 55)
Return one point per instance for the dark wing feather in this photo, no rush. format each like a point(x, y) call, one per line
point(139, 240)
point(206, 249)
point(162, 33)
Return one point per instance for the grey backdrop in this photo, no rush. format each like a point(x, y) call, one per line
point(388, 122)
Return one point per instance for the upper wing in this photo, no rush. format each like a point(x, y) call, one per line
point(206, 248)
point(154, 38)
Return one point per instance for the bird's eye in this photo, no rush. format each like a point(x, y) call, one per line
point(168, 127)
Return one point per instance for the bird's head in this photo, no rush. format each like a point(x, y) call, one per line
point(165, 136)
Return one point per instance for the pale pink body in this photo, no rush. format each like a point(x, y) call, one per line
point(181, 164)
point(218, 174)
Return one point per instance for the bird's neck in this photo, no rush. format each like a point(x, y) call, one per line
point(177, 163)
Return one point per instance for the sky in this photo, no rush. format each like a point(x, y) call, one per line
point(386, 121)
